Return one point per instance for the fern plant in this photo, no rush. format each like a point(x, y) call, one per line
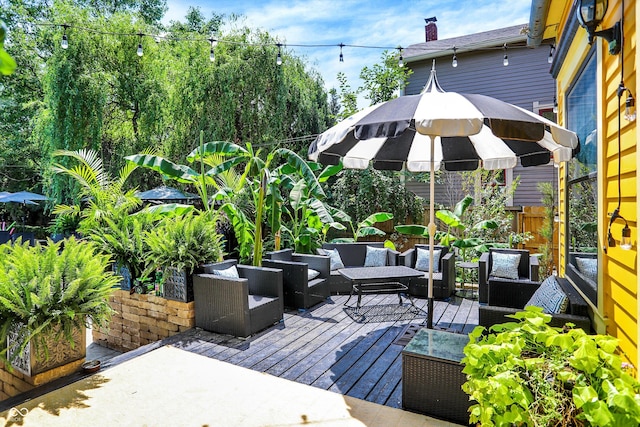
point(184, 242)
point(53, 289)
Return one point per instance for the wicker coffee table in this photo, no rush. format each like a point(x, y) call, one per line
point(432, 375)
point(379, 280)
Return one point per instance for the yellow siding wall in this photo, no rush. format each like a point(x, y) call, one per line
point(618, 274)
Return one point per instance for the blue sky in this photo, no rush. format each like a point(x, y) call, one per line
point(359, 22)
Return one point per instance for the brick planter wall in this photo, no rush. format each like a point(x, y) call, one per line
point(141, 319)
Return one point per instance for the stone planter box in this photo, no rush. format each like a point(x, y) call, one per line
point(60, 351)
point(178, 285)
point(141, 319)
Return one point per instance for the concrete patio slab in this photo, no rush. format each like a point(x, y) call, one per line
point(173, 387)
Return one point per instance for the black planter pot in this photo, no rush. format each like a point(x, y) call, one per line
point(178, 284)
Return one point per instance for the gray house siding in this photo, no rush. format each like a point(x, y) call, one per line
point(525, 81)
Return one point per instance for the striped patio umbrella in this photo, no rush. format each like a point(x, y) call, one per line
point(438, 129)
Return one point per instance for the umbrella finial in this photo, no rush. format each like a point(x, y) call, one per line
point(432, 85)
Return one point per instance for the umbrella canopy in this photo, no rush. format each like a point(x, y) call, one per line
point(165, 193)
point(21, 197)
point(435, 129)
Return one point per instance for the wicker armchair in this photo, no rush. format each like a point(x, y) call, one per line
point(239, 307)
point(577, 310)
point(299, 291)
point(444, 282)
point(503, 292)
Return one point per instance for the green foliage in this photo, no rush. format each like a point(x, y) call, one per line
point(546, 250)
point(527, 373)
point(184, 242)
point(360, 192)
point(53, 287)
point(365, 227)
point(382, 81)
point(7, 63)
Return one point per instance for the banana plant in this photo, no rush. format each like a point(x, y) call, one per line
point(455, 220)
point(366, 227)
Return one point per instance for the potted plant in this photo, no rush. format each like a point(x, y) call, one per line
point(48, 295)
point(528, 373)
point(178, 245)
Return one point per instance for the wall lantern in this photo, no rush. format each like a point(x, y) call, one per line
point(590, 14)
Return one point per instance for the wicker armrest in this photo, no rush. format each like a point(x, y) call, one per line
point(262, 280)
point(448, 264)
point(319, 263)
point(534, 264)
point(483, 278)
point(510, 292)
point(407, 258)
point(392, 257)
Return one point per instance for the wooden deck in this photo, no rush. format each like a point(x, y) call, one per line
point(323, 347)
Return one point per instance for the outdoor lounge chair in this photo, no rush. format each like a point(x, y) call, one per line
point(300, 289)
point(237, 306)
point(516, 282)
point(444, 281)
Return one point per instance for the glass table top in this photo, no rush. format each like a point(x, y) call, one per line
point(438, 344)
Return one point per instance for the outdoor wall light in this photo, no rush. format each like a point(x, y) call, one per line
point(625, 241)
point(590, 14)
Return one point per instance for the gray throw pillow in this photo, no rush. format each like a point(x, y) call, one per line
point(588, 267)
point(312, 274)
point(505, 265)
point(422, 260)
point(550, 297)
point(376, 257)
point(334, 257)
point(231, 272)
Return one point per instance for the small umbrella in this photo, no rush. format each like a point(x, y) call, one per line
point(21, 197)
point(165, 193)
point(438, 128)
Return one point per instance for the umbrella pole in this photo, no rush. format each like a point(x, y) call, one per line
point(432, 232)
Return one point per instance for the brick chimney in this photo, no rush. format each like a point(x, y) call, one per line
point(431, 29)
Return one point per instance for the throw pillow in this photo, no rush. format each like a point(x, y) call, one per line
point(588, 267)
point(231, 272)
point(334, 257)
point(376, 257)
point(505, 265)
point(422, 260)
point(312, 274)
point(550, 297)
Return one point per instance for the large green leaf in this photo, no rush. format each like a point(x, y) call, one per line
point(304, 170)
point(7, 63)
point(370, 231)
point(167, 209)
point(329, 171)
point(462, 206)
point(449, 218)
point(376, 217)
point(413, 230)
point(180, 173)
point(223, 148)
point(298, 195)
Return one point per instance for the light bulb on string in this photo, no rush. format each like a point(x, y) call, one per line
point(140, 52)
point(550, 57)
point(65, 42)
point(400, 59)
point(341, 55)
point(630, 107)
point(454, 61)
point(505, 60)
point(279, 57)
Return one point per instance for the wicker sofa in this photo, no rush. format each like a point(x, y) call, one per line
point(353, 255)
point(238, 306)
point(444, 282)
point(577, 309)
point(299, 291)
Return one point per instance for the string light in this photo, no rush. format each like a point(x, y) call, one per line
point(279, 57)
point(505, 61)
point(400, 60)
point(140, 52)
point(212, 54)
point(65, 42)
point(552, 50)
point(159, 37)
point(454, 61)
